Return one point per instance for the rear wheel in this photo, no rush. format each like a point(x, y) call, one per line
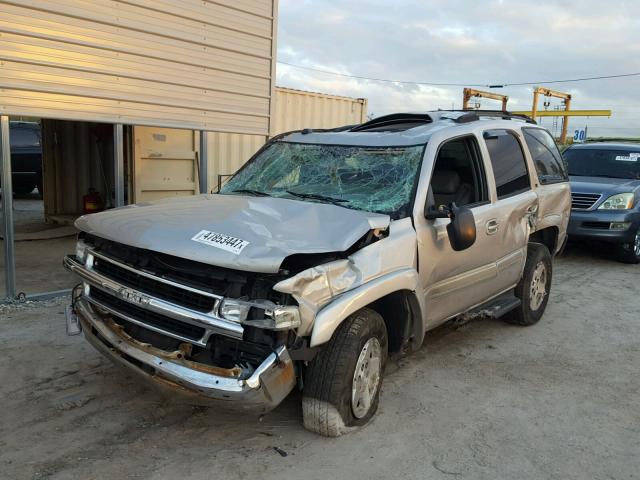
point(630, 252)
point(342, 383)
point(534, 286)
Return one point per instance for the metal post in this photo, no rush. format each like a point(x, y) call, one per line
point(565, 120)
point(204, 162)
point(118, 163)
point(466, 96)
point(7, 210)
point(534, 107)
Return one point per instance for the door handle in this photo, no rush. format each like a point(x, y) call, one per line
point(492, 227)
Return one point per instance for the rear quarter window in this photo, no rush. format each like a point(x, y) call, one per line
point(508, 163)
point(550, 165)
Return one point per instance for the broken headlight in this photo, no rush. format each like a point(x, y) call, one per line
point(234, 310)
point(269, 315)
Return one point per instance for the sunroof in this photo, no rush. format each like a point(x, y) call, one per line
point(394, 123)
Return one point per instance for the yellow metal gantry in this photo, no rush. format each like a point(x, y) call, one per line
point(469, 93)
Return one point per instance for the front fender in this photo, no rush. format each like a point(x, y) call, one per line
point(332, 315)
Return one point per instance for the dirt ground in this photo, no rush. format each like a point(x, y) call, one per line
point(559, 400)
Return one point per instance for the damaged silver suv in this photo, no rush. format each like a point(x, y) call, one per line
point(327, 252)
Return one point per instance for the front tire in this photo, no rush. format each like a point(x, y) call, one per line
point(342, 383)
point(534, 287)
point(630, 252)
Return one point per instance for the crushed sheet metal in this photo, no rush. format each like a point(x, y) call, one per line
point(315, 287)
point(273, 228)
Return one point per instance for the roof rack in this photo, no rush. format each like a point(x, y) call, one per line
point(474, 115)
point(395, 122)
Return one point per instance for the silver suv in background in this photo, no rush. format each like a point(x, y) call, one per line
point(327, 252)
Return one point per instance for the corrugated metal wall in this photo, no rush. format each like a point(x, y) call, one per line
point(195, 64)
point(293, 110)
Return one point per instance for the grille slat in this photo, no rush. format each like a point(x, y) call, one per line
point(148, 317)
point(158, 289)
point(584, 201)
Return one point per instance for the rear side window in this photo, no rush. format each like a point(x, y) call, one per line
point(507, 160)
point(546, 157)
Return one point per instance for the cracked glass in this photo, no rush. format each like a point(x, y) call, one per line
point(375, 179)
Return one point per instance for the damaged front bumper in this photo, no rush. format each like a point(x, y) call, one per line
point(193, 382)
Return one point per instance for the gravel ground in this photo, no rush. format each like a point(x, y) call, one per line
point(485, 400)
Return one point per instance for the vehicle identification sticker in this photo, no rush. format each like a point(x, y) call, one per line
point(632, 157)
point(219, 240)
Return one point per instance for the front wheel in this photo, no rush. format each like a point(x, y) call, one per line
point(630, 252)
point(534, 286)
point(342, 383)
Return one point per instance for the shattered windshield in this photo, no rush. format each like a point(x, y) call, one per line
point(375, 179)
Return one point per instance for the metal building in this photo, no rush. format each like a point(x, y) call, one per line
point(202, 65)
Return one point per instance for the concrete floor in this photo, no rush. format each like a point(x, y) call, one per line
point(486, 400)
point(38, 262)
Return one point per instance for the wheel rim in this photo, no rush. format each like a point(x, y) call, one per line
point(636, 245)
point(538, 286)
point(366, 377)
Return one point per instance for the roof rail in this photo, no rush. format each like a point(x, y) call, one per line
point(394, 122)
point(474, 115)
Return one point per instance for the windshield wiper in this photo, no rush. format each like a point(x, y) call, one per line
point(317, 196)
point(252, 192)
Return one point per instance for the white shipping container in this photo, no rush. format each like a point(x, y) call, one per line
point(293, 110)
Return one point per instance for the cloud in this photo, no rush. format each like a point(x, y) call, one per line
point(457, 41)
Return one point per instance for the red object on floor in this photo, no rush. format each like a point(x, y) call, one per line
point(92, 202)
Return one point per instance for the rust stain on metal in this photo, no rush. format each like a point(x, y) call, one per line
point(177, 356)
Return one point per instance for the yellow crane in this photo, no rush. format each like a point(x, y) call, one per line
point(469, 93)
point(565, 114)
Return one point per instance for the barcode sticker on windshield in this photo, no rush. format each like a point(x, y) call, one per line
point(632, 157)
point(219, 240)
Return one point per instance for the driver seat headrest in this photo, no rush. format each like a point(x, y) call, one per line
point(445, 182)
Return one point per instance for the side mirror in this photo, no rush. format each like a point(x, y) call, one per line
point(461, 230)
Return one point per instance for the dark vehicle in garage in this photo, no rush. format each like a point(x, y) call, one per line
point(26, 157)
point(605, 194)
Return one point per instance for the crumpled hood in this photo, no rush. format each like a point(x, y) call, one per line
point(240, 232)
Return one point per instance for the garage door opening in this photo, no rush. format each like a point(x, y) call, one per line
point(59, 170)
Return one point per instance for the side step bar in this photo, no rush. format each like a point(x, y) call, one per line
point(497, 307)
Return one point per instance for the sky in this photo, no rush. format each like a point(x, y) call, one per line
point(467, 42)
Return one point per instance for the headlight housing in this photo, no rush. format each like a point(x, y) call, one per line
point(234, 310)
point(621, 201)
point(275, 317)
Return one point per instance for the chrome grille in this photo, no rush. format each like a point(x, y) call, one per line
point(153, 286)
point(584, 201)
point(160, 322)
